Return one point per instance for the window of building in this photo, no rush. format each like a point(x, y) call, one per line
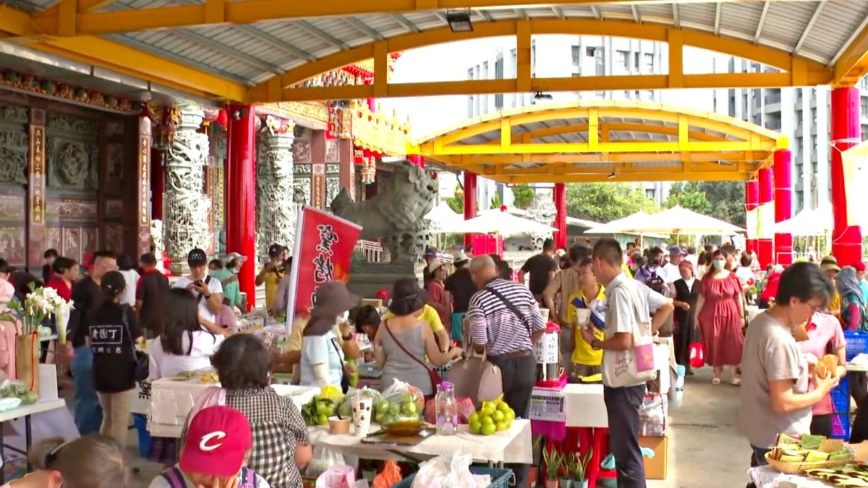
point(513, 63)
point(470, 105)
point(650, 94)
point(865, 106)
point(649, 62)
point(599, 65)
point(650, 192)
point(800, 200)
point(590, 51)
point(577, 55)
point(814, 144)
point(624, 60)
point(498, 75)
point(636, 61)
point(470, 74)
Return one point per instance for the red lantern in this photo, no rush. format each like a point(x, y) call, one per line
point(222, 118)
point(211, 114)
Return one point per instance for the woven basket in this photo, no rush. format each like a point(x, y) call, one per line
point(799, 468)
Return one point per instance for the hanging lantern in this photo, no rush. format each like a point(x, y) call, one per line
point(369, 170)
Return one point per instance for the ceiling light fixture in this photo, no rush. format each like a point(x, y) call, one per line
point(459, 20)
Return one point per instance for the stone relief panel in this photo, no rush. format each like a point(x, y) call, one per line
point(12, 245)
point(90, 242)
point(333, 188)
point(72, 164)
point(12, 208)
point(15, 114)
point(114, 237)
point(66, 210)
point(68, 123)
point(332, 152)
point(13, 156)
point(301, 191)
point(53, 238)
point(115, 156)
point(301, 152)
point(71, 246)
point(114, 209)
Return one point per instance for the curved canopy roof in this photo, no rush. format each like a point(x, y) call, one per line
point(223, 48)
point(603, 141)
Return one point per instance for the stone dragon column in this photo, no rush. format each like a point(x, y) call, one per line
point(185, 224)
point(276, 210)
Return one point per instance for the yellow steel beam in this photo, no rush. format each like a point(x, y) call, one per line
point(568, 170)
point(798, 71)
point(507, 159)
point(852, 64)
point(629, 177)
point(252, 11)
point(149, 67)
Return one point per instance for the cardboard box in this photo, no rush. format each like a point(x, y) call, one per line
point(656, 468)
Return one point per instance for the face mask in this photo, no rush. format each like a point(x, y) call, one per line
point(718, 263)
point(234, 270)
point(212, 272)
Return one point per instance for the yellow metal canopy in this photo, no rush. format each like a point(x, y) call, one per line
point(264, 50)
point(603, 141)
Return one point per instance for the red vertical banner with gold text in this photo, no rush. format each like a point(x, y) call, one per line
point(324, 247)
point(36, 236)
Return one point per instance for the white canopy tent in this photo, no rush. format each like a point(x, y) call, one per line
point(808, 222)
point(679, 220)
point(503, 223)
point(443, 219)
point(620, 226)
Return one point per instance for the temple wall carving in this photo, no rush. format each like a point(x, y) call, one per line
point(276, 211)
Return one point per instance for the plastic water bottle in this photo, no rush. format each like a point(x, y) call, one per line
point(678, 391)
point(446, 409)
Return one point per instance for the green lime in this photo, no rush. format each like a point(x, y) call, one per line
point(474, 417)
point(383, 407)
point(510, 415)
point(502, 406)
point(475, 427)
point(498, 416)
point(487, 420)
point(500, 426)
point(488, 429)
point(394, 409)
point(409, 408)
point(322, 419)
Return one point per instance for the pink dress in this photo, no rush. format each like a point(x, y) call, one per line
point(7, 348)
point(720, 322)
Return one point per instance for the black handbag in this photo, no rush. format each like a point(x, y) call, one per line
point(141, 361)
point(345, 380)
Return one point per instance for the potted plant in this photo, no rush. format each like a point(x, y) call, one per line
point(579, 469)
point(533, 471)
point(553, 461)
point(567, 476)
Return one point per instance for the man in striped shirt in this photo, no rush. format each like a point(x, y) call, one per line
point(505, 322)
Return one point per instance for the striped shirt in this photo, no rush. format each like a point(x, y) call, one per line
point(495, 326)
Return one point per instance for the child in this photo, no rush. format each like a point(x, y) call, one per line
point(219, 442)
point(87, 462)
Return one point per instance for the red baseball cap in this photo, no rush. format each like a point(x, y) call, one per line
point(217, 442)
point(860, 266)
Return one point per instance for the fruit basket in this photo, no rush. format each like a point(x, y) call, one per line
point(800, 468)
point(797, 454)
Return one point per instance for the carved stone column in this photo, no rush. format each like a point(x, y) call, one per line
point(276, 211)
point(542, 209)
point(185, 225)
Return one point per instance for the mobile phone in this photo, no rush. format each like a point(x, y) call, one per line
point(198, 283)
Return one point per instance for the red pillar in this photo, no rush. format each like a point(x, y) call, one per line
point(783, 180)
point(469, 202)
point(158, 183)
point(765, 245)
point(417, 160)
point(241, 192)
point(846, 133)
point(751, 201)
point(560, 223)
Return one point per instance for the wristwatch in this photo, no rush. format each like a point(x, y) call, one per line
point(208, 296)
point(347, 337)
point(595, 344)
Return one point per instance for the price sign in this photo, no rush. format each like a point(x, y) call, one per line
point(547, 405)
point(546, 349)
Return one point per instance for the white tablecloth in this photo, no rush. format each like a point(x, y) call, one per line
point(766, 477)
point(511, 446)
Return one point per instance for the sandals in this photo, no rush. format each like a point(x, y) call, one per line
point(736, 381)
point(715, 381)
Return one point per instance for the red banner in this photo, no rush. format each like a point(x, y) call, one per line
point(323, 253)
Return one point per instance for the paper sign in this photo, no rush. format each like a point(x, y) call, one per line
point(546, 349)
point(547, 405)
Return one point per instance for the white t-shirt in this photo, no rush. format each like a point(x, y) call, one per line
point(321, 350)
point(744, 275)
point(160, 482)
point(671, 273)
point(213, 285)
point(165, 365)
point(131, 278)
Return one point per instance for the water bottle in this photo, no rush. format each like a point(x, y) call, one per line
point(678, 390)
point(446, 409)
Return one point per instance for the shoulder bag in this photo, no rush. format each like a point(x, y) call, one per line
point(345, 380)
point(634, 366)
point(202, 295)
point(141, 363)
point(433, 375)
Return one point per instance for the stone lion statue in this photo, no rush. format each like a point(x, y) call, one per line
point(395, 213)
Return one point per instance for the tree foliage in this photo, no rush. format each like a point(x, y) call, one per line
point(495, 201)
point(604, 202)
point(456, 204)
point(726, 199)
point(688, 195)
point(523, 196)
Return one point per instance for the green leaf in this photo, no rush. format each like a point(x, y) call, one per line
point(604, 202)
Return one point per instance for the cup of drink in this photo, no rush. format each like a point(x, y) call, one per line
point(583, 317)
point(362, 411)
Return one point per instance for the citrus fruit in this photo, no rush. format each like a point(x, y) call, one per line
point(500, 426)
point(488, 429)
point(510, 415)
point(394, 409)
point(475, 427)
point(474, 417)
point(498, 416)
point(322, 419)
point(409, 408)
point(502, 406)
point(383, 407)
point(487, 420)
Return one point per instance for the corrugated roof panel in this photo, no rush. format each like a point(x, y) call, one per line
point(656, 11)
point(608, 9)
point(540, 12)
point(299, 38)
point(740, 18)
point(425, 20)
point(150, 37)
point(577, 11)
point(785, 22)
point(145, 4)
point(503, 14)
point(336, 28)
point(697, 15)
point(833, 27)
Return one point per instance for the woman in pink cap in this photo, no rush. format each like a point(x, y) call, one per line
point(218, 445)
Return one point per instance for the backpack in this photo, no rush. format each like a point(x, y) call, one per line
point(175, 478)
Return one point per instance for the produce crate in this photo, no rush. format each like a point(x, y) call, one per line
point(841, 410)
point(500, 478)
point(857, 343)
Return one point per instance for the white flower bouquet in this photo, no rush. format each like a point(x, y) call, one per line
point(39, 305)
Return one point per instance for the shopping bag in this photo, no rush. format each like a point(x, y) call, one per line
point(697, 355)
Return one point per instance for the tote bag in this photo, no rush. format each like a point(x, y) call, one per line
point(634, 366)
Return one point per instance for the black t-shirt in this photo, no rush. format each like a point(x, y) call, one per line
point(151, 290)
point(86, 298)
point(112, 346)
point(460, 285)
point(539, 267)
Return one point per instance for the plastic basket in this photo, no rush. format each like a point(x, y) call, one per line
point(841, 410)
point(857, 343)
point(500, 478)
point(145, 442)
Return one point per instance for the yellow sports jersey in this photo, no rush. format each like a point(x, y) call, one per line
point(835, 303)
point(583, 353)
point(428, 315)
point(626, 269)
point(272, 279)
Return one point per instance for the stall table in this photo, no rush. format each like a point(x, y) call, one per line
point(510, 446)
point(766, 477)
point(25, 412)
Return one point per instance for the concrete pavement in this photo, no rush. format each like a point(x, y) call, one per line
point(705, 448)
